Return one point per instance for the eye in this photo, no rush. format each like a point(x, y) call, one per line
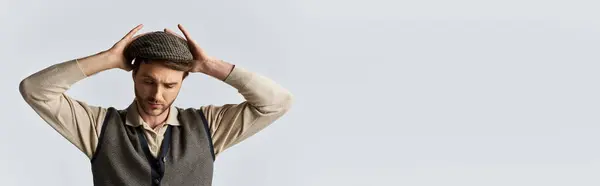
point(148, 82)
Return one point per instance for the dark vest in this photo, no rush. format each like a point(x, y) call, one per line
point(123, 158)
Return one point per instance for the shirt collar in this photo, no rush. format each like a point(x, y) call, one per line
point(134, 119)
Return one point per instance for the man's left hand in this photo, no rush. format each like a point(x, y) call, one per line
point(204, 63)
point(201, 59)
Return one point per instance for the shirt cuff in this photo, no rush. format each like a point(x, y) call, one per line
point(80, 69)
point(239, 77)
point(69, 71)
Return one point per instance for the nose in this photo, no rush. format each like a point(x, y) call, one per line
point(155, 94)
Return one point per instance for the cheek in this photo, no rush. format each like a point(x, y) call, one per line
point(143, 89)
point(170, 94)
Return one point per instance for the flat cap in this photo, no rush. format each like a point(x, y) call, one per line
point(159, 45)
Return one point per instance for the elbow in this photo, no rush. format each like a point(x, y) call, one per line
point(29, 89)
point(279, 105)
point(25, 88)
point(287, 102)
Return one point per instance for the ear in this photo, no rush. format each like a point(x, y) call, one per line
point(133, 73)
point(185, 75)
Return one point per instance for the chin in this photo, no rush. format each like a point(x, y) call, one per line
point(155, 112)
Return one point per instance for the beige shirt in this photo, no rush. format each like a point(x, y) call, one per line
point(81, 123)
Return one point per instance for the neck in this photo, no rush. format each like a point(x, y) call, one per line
point(153, 121)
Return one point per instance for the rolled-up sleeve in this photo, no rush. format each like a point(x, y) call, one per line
point(75, 120)
point(265, 102)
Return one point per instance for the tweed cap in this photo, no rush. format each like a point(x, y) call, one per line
point(159, 45)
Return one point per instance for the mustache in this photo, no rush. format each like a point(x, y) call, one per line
point(153, 101)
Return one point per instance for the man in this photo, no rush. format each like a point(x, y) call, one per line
point(153, 142)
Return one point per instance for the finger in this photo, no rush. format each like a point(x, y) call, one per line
point(187, 35)
point(185, 32)
point(133, 31)
point(172, 32)
point(128, 67)
point(128, 39)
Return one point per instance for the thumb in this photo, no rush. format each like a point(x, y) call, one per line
point(127, 66)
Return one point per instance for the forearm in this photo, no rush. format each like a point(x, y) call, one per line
point(259, 91)
point(75, 120)
point(218, 69)
point(52, 81)
point(265, 102)
point(96, 63)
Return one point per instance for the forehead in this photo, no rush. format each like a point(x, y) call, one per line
point(159, 72)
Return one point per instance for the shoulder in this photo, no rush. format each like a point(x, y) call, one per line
point(188, 111)
point(112, 113)
point(191, 113)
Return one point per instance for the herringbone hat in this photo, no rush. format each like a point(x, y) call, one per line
point(159, 45)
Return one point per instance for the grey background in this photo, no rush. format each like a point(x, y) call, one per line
point(416, 93)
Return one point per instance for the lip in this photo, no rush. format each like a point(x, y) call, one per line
point(153, 105)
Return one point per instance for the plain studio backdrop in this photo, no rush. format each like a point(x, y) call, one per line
point(388, 93)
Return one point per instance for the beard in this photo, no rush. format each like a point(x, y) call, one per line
point(145, 105)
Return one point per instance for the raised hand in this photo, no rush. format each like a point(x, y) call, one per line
point(201, 59)
point(116, 52)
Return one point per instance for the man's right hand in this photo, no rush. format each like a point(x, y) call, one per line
point(116, 53)
point(111, 58)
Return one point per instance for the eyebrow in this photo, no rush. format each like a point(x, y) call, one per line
point(153, 79)
point(147, 76)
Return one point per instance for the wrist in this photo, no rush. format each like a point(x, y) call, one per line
point(206, 66)
point(95, 63)
point(112, 59)
point(216, 68)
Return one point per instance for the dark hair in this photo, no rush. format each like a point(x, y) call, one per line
point(180, 66)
